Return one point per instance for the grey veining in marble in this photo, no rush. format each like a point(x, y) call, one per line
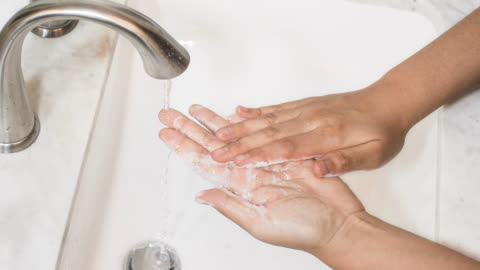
point(459, 183)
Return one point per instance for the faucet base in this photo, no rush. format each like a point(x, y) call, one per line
point(6, 148)
point(55, 29)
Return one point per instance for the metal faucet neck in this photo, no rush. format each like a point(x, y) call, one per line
point(163, 56)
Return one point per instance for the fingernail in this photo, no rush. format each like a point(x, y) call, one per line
point(328, 165)
point(242, 158)
point(224, 132)
point(194, 108)
point(160, 114)
point(168, 139)
point(244, 109)
point(200, 200)
point(220, 151)
point(322, 168)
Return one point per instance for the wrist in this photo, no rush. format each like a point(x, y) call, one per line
point(350, 238)
point(394, 100)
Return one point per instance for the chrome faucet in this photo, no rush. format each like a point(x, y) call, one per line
point(163, 57)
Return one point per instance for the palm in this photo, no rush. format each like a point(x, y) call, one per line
point(280, 204)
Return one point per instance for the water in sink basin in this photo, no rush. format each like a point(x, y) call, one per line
point(251, 53)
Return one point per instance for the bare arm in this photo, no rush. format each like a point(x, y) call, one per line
point(365, 242)
point(446, 69)
point(361, 129)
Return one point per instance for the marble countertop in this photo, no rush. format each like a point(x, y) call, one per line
point(65, 78)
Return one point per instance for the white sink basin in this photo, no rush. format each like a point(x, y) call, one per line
point(243, 52)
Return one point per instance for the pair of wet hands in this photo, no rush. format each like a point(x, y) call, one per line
point(299, 203)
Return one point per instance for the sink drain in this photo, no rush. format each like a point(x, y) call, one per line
point(153, 256)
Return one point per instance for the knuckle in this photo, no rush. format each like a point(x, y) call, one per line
point(342, 161)
point(289, 146)
point(269, 109)
point(270, 118)
point(332, 127)
point(239, 146)
point(241, 128)
point(270, 132)
point(205, 115)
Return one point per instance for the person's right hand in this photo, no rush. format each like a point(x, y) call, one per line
point(344, 132)
point(284, 205)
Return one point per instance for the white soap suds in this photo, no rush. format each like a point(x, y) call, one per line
point(330, 175)
point(254, 210)
point(263, 164)
point(222, 175)
point(176, 123)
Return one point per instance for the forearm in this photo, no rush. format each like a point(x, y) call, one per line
point(444, 70)
point(365, 242)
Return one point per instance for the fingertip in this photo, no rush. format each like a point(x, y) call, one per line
point(245, 112)
point(242, 160)
point(212, 197)
point(194, 108)
point(170, 137)
point(165, 134)
point(162, 113)
point(204, 198)
point(168, 116)
point(219, 154)
point(320, 169)
point(242, 109)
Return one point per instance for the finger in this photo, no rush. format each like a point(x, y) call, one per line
point(292, 169)
point(249, 113)
point(257, 139)
point(174, 119)
point(299, 147)
point(180, 143)
point(208, 118)
point(359, 157)
point(193, 153)
point(235, 131)
point(233, 119)
point(240, 180)
point(234, 208)
point(198, 157)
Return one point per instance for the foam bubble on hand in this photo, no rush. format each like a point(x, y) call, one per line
point(219, 174)
point(263, 164)
point(176, 123)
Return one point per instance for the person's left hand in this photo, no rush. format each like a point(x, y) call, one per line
point(284, 205)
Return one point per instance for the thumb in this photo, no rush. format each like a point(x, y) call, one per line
point(364, 156)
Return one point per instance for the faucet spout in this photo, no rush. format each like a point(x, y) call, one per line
point(162, 55)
